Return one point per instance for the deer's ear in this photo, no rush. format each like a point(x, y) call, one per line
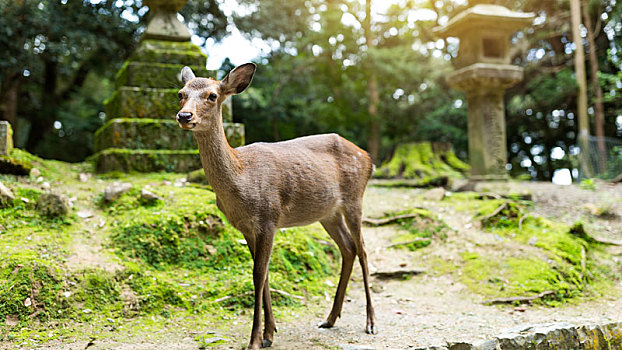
point(238, 79)
point(186, 75)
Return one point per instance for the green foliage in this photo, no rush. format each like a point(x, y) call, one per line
point(588, 184)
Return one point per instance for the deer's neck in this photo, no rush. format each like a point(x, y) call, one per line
point(220, 161)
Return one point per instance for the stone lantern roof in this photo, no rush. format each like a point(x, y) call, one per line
point(488, 16)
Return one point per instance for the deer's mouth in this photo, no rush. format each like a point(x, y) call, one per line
point(188, 126)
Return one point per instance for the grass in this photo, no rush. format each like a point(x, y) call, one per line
point(175, 257)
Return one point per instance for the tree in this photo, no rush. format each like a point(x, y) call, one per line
point(330, 70)
point(51, 49)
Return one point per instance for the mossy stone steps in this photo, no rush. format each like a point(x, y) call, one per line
point(141, 133)
point(146, 160)
point(145, 133)
point(163, 75)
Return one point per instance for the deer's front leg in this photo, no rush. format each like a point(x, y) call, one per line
point(262, 250)
point(269, 323)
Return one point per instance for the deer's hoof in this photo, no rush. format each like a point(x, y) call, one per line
point(266, 343)
point(325, 324)
point(371, 329)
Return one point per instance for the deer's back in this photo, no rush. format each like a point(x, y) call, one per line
point(305, 179)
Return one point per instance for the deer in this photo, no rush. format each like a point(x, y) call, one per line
point(263, 187)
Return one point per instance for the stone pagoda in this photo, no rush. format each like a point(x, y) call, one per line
point(140, 132)
point(483, 72)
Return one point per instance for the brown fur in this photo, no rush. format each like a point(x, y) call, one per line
point(265, 186)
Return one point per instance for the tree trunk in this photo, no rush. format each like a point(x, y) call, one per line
point(579, 65)
point(9, 93)
point(599, 109)
point(43, 122)
point(373, 138)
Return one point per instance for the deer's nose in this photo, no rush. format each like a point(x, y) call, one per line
point(184, 117)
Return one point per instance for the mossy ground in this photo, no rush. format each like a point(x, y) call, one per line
point(530, 254)
point(176, 263)
point(174, 257)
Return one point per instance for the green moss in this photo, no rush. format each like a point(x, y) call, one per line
point(555, 263)
point(141, 160)
point(14, 166)
point(421, 161)
point(419, 231)
point(155, 75)
point(142, 102)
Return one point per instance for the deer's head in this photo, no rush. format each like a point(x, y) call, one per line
point(201, 98)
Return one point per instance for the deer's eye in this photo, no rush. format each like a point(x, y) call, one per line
point(180, 95)
point(212, 97)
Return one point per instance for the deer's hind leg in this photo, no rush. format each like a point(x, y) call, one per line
point(353, 215)
point(338, 231)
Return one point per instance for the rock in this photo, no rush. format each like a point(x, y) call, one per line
point(546, 336)
point(14, 166)
point(52, 205)
point(435, 194)
point(6, 138)
point(116, 190)
point(34, 172)
point(84, 177)
point(197, 176)
point(149, 196)
point(399, 273)
point(6, 196)
point(46, 186)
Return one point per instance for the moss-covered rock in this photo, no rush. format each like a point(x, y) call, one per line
point(184, 53)
point(52, 205)
point(15, 166)
point(424, 162)
point(160, 75)
point(139, 102)
point(145, 160)
point(146, 133)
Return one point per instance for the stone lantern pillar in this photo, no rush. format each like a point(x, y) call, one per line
point(483, 72)
point(140, 131)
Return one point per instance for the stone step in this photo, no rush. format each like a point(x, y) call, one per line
point(184, 53)
point(144, 161)
point(180, 46)
point(141, 102)
point(170, 57)
point(156, 75)
point(147, 133)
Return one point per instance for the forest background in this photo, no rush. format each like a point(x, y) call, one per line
point(375, 74)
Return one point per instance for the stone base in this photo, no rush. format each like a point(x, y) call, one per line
point(154, 134)
point(144, 161)
point(6, 138)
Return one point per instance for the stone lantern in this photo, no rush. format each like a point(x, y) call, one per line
point(483, 72)
point(140, 131)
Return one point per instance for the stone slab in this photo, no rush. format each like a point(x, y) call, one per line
point(485, 76)
point(558, 336)
point(6, 138)
point(140, 102)
point(137, 102)
point(156, 75)
point(114, 159)
point(146, 133)
point(184, 58)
